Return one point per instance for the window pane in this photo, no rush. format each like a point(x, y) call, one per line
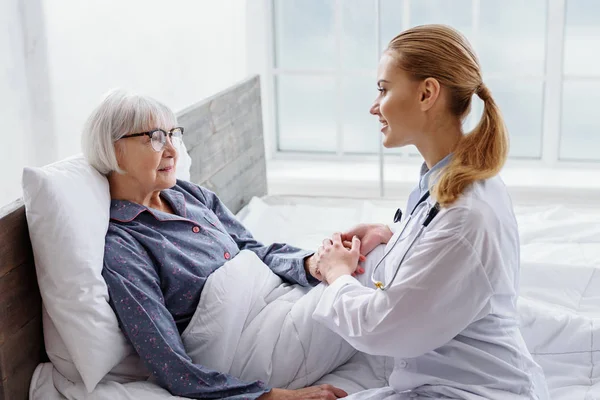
point(306, 113)
point(512, 36)
point(361, 129)
point(390, 21)
point(582, 37)
point(580, 134)
point(304, 34)
point(456, 13)
point(521, 104)
point(359, 47)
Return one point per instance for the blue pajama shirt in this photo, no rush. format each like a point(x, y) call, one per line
point(155, 266)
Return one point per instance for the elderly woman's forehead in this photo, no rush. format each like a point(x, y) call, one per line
point(158, 124)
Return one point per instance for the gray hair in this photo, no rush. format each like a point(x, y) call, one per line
point(118, 114)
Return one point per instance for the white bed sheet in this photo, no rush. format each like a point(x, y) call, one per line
point(560, 287)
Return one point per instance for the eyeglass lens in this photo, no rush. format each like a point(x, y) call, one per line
point(159, 138)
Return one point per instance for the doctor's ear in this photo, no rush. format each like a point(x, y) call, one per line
point(429, 91)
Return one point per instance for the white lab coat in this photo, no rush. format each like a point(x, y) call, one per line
point(450, 318)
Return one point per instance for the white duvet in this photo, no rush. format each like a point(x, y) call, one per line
point(559, 305)
point(252, 325)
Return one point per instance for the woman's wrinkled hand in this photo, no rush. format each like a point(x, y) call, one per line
point(310, 266)
point(335, 260)
point(370, 235)
point(321, 392)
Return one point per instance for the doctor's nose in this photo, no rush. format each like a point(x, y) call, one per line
point(374, 108)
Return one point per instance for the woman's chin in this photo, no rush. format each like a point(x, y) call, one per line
point(393, 140)
point(387, 142)
point(172, 181)
point(168, 182)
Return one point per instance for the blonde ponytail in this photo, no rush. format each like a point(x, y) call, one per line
point(441, 52)
point(479, 155)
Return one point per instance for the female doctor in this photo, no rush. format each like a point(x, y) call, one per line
point(443, 298)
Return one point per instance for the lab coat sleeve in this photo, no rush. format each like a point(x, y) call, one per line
point(440, 289)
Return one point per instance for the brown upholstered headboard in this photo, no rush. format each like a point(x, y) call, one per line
point(21, 341)
point(224, 137)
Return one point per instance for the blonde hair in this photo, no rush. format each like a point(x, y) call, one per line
point(441, 52)
point(120, 113)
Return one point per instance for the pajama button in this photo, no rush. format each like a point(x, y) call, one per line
point(402, 364)
point(196, 229)
point(227, 256)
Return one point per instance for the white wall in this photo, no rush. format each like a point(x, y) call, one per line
point(14, 102)
point(177, 51)
point(259, 61)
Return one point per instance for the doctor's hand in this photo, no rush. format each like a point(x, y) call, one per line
point(335, 260)
point(370, 235)
point(310, 263)
point(321, 392)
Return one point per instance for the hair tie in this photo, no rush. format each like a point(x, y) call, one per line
point(483, 92)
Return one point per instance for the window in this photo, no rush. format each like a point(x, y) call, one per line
point(326, 54)
point(580, 128)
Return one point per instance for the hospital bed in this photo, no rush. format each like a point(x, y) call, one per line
point(560, 283)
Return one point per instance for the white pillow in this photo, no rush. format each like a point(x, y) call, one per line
point(184, 163)
point(67, 205)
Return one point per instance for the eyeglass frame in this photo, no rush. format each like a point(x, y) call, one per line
point(168, 134)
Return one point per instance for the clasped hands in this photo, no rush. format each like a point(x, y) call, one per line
point(340, 254)
point(337, 256)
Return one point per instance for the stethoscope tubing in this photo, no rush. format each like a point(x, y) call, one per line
point(431, 214)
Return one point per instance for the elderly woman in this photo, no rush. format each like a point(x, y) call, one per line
point(164, 240)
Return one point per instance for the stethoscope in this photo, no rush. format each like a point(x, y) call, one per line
point(433, 211)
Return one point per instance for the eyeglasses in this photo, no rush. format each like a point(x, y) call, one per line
point(158, 137)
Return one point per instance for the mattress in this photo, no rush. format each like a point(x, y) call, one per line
point(560, 285)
